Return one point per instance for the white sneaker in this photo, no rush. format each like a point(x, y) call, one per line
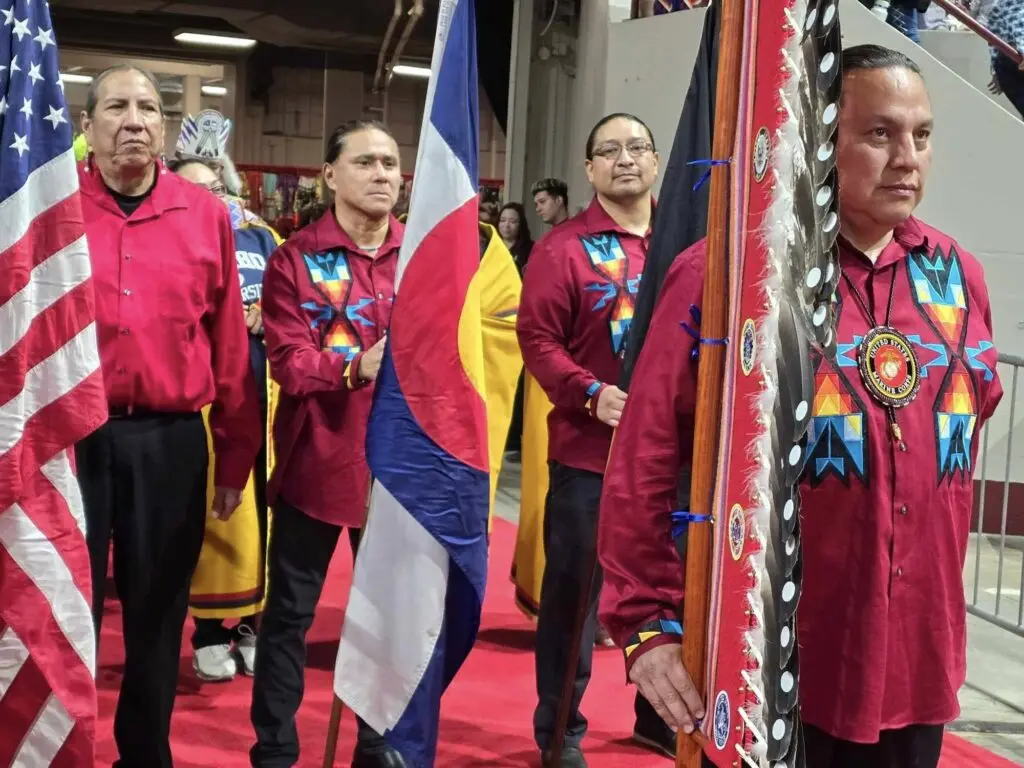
point(214, 663)
point(246, 647)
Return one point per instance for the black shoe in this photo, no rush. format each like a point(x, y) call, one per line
point(376, 753)
point(653, 734)
point(572, 757)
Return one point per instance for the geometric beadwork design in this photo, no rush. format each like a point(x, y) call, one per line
point(938, 292)
point(608, 259)
point(972, 358)
point(956, 413)
point(329, 272)
point(838, 432)
point(652, 629)
point(837, 437)
point(330, 275)
point(929, 355)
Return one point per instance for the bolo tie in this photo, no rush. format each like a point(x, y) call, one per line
point(886, 360)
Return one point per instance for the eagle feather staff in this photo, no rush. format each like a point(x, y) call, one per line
point(781, 259)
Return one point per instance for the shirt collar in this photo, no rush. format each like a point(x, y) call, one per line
point(597, 221)
point(328, 234)
point(169, 193)
point(906, 237)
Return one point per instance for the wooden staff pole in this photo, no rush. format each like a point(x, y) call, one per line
point(714, 324)
point(573, 658)
point(331, 747)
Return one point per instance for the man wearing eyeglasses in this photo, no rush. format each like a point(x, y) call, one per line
point(575, 311)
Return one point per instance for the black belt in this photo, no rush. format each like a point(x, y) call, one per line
point(138, 412)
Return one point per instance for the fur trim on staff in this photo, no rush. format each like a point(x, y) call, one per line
point(799, 233)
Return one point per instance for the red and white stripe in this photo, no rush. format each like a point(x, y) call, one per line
point(51, 396)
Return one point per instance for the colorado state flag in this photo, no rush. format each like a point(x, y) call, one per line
point(418, 585)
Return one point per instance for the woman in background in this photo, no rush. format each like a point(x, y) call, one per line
point(230, 579)
point(515, 232)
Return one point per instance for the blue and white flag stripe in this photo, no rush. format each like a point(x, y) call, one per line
point(445, 131)
point(417, 592)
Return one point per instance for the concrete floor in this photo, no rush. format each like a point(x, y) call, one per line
point(992, 702)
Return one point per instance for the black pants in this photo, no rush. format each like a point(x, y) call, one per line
point(570, 534)
point(301, 549)
point(1011, 80)
point(143, 482)
point(916, 746)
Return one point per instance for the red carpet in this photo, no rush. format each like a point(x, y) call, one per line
point(486, 715)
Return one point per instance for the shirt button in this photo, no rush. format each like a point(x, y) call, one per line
point(903, 509)
point(127, 257)
point(380, 295)
point(127, 292)
point(899, 571)
point(125, 331)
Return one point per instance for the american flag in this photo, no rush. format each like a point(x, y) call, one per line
point(51, 396)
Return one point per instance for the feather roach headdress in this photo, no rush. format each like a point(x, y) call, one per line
point(205, 137)
point(783, 269)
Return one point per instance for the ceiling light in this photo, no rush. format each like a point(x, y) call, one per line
point(214, 90)
point(68, 77)
point(408, 70)
point(217, 41)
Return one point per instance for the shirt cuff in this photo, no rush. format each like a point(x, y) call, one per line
point(651, 635)
point(231, 470)
point(352, 379)
point(593, 395)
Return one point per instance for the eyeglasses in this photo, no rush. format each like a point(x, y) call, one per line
point(613, 150)
point(217, 188)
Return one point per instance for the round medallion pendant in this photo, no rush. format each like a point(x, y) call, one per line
point(748, 346)
point(737, 531)
point(889, 367)
point(762, 151)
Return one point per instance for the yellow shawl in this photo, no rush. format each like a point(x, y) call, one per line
point(528, 560)
point(499, 286)
point(230, 580)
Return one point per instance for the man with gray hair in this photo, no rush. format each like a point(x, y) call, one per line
point(172, 340)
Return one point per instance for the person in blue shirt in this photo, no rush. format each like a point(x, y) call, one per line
point(230, 580)
point(1005, 19)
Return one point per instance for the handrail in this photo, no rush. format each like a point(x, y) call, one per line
point(981, 30)
point(954, 10)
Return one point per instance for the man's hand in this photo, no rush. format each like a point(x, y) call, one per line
point(610, 403)
point(993, 86)
point(661, 678)
point(254, 319)
point(369, 363)
point(225, 502)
